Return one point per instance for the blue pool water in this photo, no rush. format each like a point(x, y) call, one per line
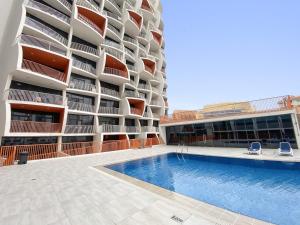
point(266, 190)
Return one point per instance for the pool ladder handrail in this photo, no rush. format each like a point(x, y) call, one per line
point(181, 152)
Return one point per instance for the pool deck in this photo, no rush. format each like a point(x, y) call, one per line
point(78, 191)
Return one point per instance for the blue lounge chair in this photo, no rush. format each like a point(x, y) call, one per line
point(285, 149)
point(255, 148)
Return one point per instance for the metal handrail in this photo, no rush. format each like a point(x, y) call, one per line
point(80, 129)
point(129, 39)
point(34, 96)
point(89, 4)
point(20, 126)
point(113, 44)
point(108, 110)
point(108, 91)
point(81, 106)
point(41, 43)
point(115, 72)
point(108, 128)
point(82, 86)
point(45, 29)
point(132, 129)
point(48, 10)
point(84, 48)
point(84, 66)
point(115, 53)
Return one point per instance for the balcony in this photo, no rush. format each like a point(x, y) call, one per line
point(112, 15)
point(108, 128)
point(146, 10)
point(85, 48)
point(150, 129)
point(136, 111)
point(109, 110)
point(156, 40)
point(90, 4)
point(111, 92)
point(89, 22)
point(147, 114)
point(130, 40)
point(115, 71)
point(114, 53)
point(133, 23)
point(33, 96)
point(18, 126)
point(114, 30)
point(156, 90)
point(41, 43)
point(148, 69)
point(84, 66)
point(130, 53)
point(82, 86)
point(155, 103)
point(49, 32)
point(49, 10)
point(131, 68)
point(80, 129)
point(132, 129)
point(113, 44)
point(131, 94)
point(81, 106)
point(114, 145)
point(115, 5)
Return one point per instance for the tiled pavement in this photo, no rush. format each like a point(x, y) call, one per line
point(70, 191)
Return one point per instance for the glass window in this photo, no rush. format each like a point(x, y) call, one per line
point(272, 122)
point(286, 121)
point(261, 123)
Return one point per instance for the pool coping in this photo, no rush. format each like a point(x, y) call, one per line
point(214, 214)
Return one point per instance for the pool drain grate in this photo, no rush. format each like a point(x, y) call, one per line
point(177, 219)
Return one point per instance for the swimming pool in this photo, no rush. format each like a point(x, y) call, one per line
point(265, 190)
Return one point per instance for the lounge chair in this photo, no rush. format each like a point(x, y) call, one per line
point(285, 149)
point(255, 148)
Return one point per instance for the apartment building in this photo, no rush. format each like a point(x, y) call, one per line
point(82, 71)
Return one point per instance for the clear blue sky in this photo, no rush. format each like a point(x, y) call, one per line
point(231, 50)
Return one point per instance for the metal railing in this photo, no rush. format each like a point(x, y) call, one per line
point(108, 128)
point(114, 53)
point(117, 72)
point(115, 4)
point(19, 126)
point(82, 86)
point(115, 30)
point(45, 29)
point(48, 10)
point(42, 69)
point(129, 52)
point(80, 129)
point(131, 67)
point(129, 39)
point(108, 110)
point(132, 94)
point(90, 23)
point(149, 129)
point(84, 66)
point(41, 43)
point(108, 91)
point(132, 129)
point(84, 48)
point(112, 15)
point(275, 104)
point(34, 96)
point(66, 3)
point(81, 106)
point(113, 44)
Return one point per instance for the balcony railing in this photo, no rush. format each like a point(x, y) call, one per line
point(112, 15)
point(108, 110)
point(81, 106)
point(42, 69)
point(90, 23)
point(114, 53)
point(113, 44)
point(48, 10)
point(114, 71)
point(19, 126)
point(108, 91)
point(115, 30)
point(132, 94)
point(143, 86)
point(84, 66)
point(34, 96)
point(80, 129)
point(156, 115)
point(149, 129)
point(90, 4)
point(37, 42)
point(154, 102)
point(108, 128)
point(84, 48)
point(136, 111)
point(155, 90)
point(82, 86)
point(45, 29)
point(129, 39)
point(132, 129)
point(131, 67)
point(115, 4)
point(156, 39)
point(129, 52)
point(66, 3)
